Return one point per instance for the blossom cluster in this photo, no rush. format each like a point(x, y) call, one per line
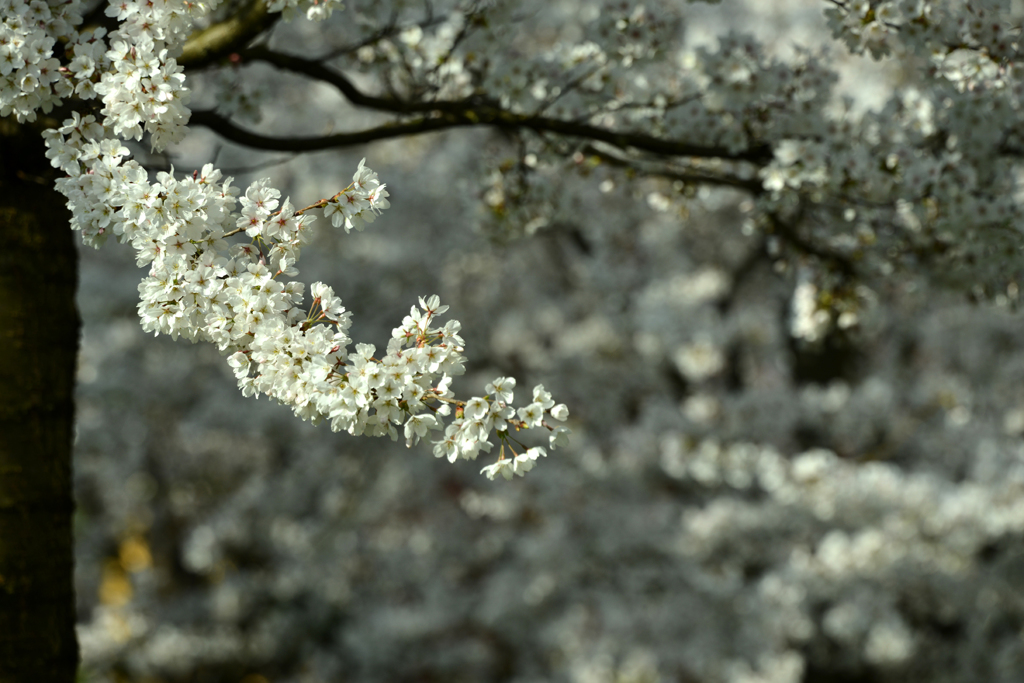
point(132, 69)
point(203, 288)
point(30, 76)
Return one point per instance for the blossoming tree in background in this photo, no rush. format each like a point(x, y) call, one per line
point(842, 204)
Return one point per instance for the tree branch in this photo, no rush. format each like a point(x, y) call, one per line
point(226, 37)
point(228, 130)
point(482, 112)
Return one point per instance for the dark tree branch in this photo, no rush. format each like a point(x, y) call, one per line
point(228, 130)
point(469, 112)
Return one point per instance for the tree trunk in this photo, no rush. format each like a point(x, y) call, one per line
point(39, 328)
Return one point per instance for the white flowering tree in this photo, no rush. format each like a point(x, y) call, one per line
point(842, 204)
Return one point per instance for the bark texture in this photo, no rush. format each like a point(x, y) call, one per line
point(39, 328)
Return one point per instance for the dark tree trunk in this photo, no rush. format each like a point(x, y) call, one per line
point(39, 328)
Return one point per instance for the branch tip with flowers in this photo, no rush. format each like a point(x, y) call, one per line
point(236, 295)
